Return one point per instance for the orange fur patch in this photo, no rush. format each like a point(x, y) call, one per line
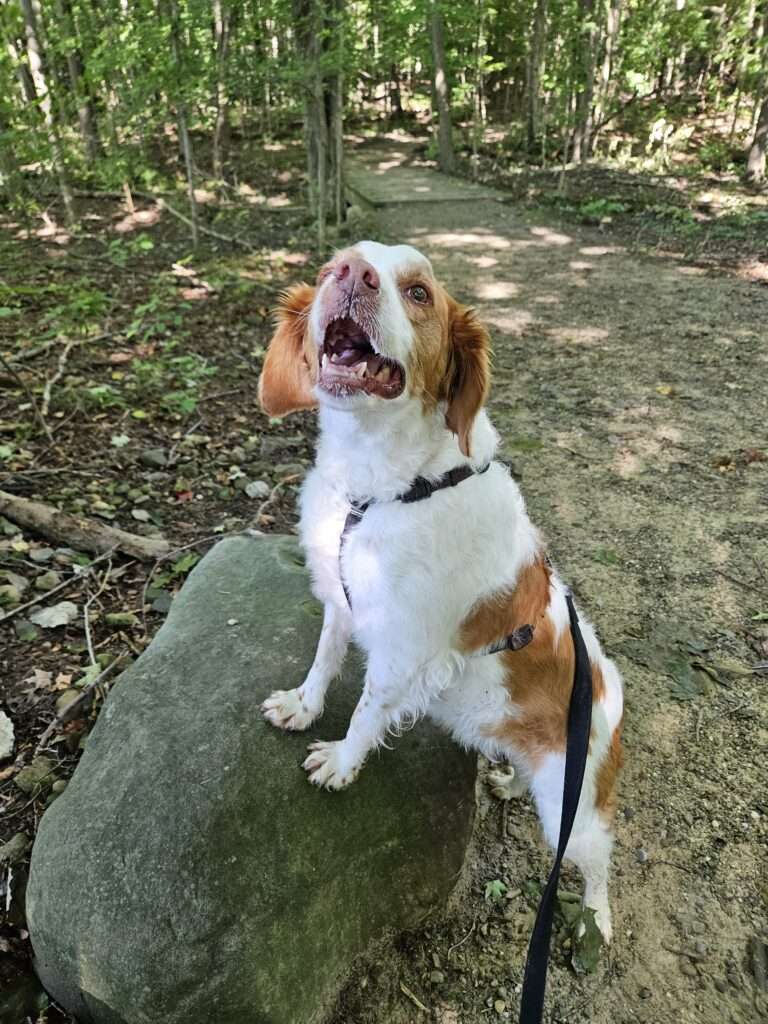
point(290, 367)
point(539, 677)
point(450, 358)
point(605, 797)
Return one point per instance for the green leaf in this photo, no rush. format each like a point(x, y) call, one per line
point(606, 556)
point(185, 563)
point(495, 890)
point(587, 942)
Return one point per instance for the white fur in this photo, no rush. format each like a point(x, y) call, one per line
point(413, 572)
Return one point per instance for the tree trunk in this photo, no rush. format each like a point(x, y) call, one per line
point(395, 95)
point(337, 126)
point(26, 82)
point(757, 151)
point(446, 154)
point(585, 61)
point(319, 38)
point(34, 57)
point(181, 115)
point(222, 19)
point(478, 105)
point(605, 84)
point(86, 113)
point(535, 68)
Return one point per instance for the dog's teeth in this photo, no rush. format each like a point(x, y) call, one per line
point(361, 369)
point(334, 358)
point(324, 360)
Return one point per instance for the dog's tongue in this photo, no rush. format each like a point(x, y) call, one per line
point(349, 356)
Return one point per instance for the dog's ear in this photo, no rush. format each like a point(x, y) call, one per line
point(469, 373)
point(289, 370)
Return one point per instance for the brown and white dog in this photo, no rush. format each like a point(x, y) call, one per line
point(399, 371)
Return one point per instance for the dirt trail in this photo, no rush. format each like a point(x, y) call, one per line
point(630, 394)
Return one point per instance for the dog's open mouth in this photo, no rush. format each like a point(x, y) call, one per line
point(349, 363)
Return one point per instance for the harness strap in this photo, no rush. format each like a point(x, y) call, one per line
point(420, 489)
point(576, 750)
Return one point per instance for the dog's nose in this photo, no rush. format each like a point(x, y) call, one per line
point(356, 274)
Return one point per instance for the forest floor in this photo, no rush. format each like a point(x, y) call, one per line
point(629, 392)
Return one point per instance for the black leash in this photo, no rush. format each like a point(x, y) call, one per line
point(576, 749)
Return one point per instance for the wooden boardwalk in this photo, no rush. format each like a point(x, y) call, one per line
point(387, 182)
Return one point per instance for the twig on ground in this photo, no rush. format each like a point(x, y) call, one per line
point(272, 495)
point(31, 353)
point(462, 941)
point(174, 449)
point(86, 613)
point(29, 396)
point(74, 578)
point(79, 533)
point(573, 451)
point(75, 704)
point(413, 997)
point(58, 374)
point(46, 472)
point(742, 583)
point(680, 867)
point(220, 394)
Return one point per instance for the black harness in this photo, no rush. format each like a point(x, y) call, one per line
point(576, 749)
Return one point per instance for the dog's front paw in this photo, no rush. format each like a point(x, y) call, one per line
point(286, 710)
point(328, 767)
point(506, 784)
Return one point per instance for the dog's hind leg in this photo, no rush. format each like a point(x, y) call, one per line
point(298, 709)
point(591, 841)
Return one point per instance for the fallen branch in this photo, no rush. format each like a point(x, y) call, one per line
point(31, 353)
point(60, 719)
point(55, 377)
point(230, 239)
point(76, 532)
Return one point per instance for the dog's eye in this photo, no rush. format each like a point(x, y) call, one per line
point(419, 294)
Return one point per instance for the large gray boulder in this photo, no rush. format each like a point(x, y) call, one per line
point(190, 872)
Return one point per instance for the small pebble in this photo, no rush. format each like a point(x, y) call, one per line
point(437, 977)
point(629, 813)
point(720, 985)
point(688, 970)
point(645, 993)
point(641, 855)
point(232, 622)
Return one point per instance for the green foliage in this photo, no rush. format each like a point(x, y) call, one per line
point(117, 82)
point(495, 891)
